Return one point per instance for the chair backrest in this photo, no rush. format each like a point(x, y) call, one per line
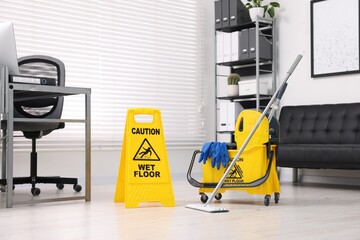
point(42, 67)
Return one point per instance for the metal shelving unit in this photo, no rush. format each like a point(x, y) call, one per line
point(255, 66)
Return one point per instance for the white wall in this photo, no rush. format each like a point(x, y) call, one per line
point(294, 38)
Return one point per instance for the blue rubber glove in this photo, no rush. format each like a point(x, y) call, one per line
point(219, 155)
point(215, 157)
point(224, 158)
point(206, 152)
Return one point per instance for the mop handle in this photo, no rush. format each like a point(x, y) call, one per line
point(282, 90)
point(236, 158)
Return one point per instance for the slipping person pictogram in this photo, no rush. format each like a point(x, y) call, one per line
point(146, 152)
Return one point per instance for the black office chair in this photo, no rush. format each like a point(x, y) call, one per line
point(47, 68)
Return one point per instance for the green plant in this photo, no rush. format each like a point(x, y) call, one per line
point(233, 79)
point(269, 8)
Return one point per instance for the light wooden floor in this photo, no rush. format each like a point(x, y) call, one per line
point(305, 211)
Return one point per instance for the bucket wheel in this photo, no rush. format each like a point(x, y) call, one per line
point(267, 200)
point(218, 196)
point(276, 197)
point(203, 197)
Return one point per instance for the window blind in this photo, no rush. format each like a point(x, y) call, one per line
point(140, 53)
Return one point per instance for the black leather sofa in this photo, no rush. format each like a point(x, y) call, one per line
point(320, 136)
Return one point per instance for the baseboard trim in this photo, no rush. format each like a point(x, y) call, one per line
point(350, 181)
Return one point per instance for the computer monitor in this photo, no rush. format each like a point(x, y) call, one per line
point(8, 54)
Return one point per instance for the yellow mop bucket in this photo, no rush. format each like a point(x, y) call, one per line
point(244, 164)
point(254, 172)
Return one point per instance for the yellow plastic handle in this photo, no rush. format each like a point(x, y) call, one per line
point(144, 111)
point(138, 112)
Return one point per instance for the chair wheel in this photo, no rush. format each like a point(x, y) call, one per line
point(60, 186)
point(3, 188)
point(35, 191)
point(77, 187)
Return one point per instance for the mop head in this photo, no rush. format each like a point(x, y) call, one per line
point(206, 208)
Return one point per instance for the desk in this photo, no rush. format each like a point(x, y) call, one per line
point(10, 92)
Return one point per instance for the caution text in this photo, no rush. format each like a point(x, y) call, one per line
point(146, 131)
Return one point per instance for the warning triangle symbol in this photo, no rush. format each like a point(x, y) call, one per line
point(146, 152)
point(236, 173)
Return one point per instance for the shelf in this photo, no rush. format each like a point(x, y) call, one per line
point(251, 70)
point(249, 102)
point(223, 132)
point(248, 68)
point(251, 62)
point(245, 98)
point(252, 104)
point(262, 23)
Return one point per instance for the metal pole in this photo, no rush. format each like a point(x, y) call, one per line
point(10, 146)
point(257, 54)
point(274, 60)
point(3, 76)
point(88, 146)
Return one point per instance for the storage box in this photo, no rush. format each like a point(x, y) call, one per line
point(223, 70)
point(224, 137)
point(249, 87)
point(227, 113)
point(221, 86)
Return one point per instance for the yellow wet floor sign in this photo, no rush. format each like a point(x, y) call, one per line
point(144, 173)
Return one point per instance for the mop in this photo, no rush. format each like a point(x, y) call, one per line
point(273, 104)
